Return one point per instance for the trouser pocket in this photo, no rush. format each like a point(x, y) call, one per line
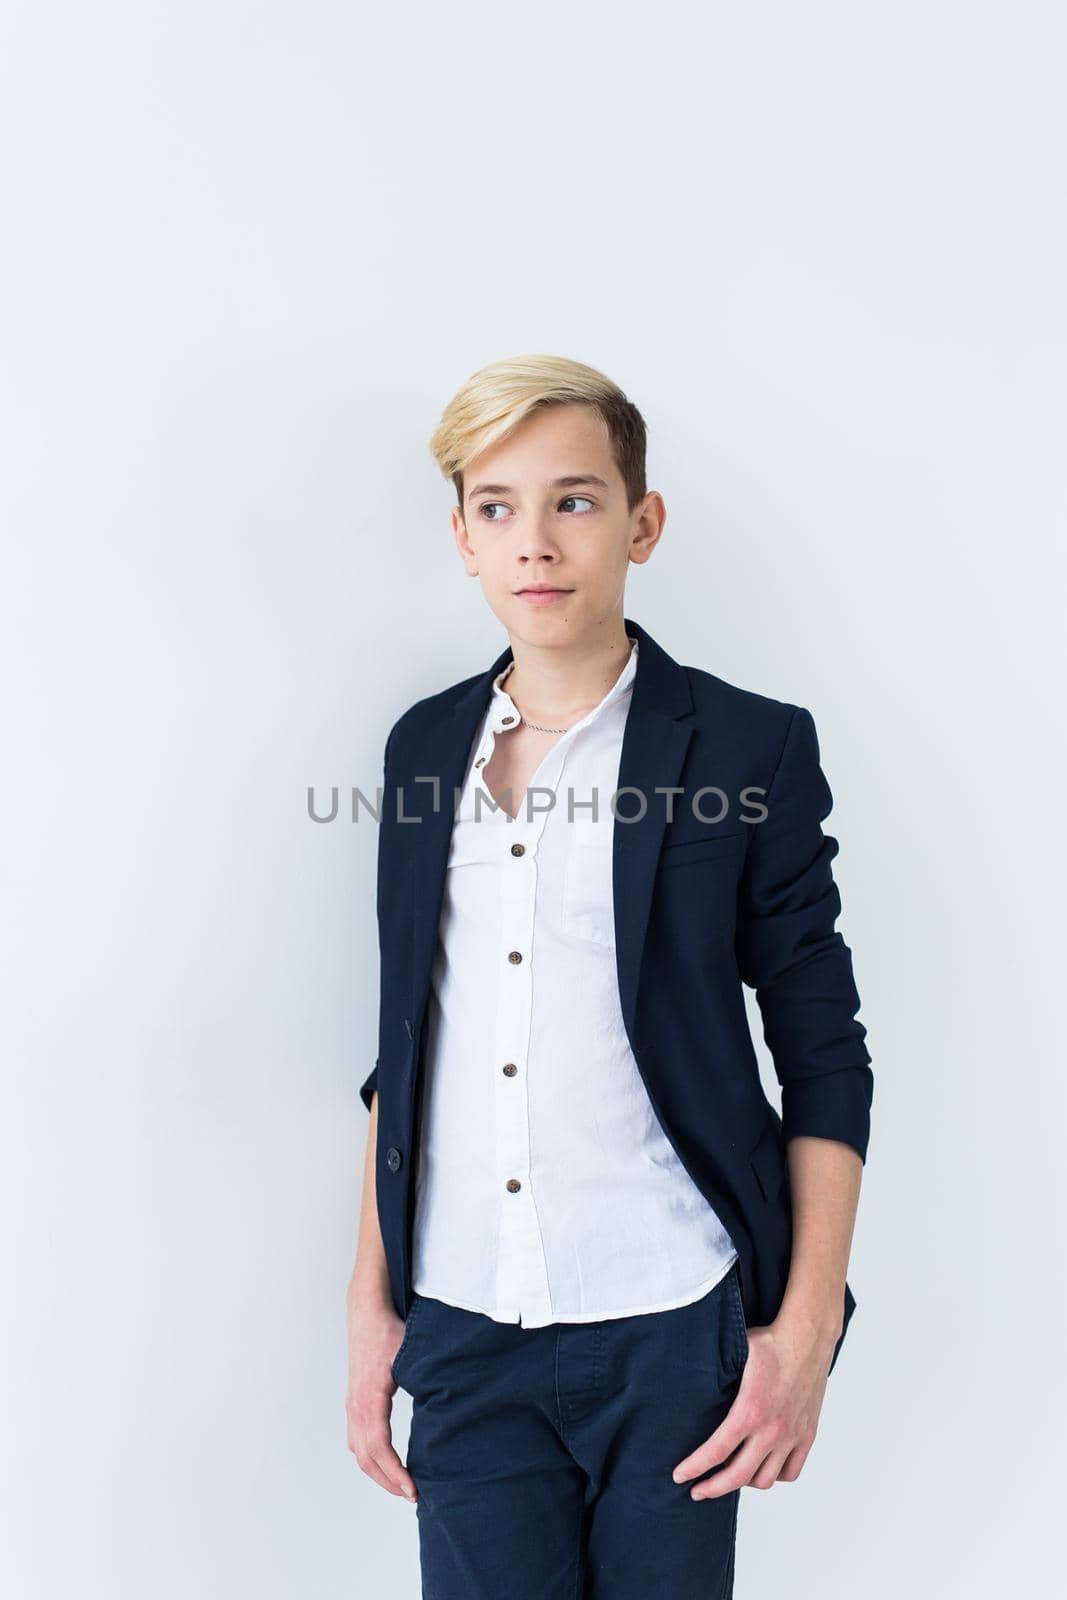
point(409, 1323)
point(736, 1326)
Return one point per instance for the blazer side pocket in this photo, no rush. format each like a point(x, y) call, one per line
point(767, 1159)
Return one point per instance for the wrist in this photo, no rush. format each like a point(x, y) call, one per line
point(818, 1322)
point(369, 1291)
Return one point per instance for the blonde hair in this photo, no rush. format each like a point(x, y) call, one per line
point(494, 400)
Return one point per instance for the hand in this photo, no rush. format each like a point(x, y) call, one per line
point(375, 1333)
point(773, 1419)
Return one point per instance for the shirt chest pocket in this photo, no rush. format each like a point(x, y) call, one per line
point(588, 909)
point(478, 841)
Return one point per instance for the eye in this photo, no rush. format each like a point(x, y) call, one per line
point(485, 510)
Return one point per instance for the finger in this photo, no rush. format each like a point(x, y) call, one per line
point(368, 1465)
point(794, 1461)
point(394, 1474)
point(770, 1471)
point(735, 1475)
point(717, 1447)
point(371, 1442)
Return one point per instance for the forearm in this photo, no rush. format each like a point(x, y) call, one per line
point(824, 1180)
point(375, 1332)
point(370, 1276)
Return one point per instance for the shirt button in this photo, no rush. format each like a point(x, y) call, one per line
point(480, 761)
point(513, 1185)
point(515, 956)
point(509, 1069)
point(505, 720)
point(393, 1158)
point(518, 849)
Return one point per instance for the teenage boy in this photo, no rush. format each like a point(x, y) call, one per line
point(609, 1273)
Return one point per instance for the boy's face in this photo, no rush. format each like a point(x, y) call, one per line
point(522, 525)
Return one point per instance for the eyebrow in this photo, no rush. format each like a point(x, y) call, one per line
point(571, 482)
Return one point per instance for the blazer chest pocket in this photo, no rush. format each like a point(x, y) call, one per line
point(721, 847)
point(695, 890)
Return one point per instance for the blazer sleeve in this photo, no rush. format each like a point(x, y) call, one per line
point(370, 1083)
point(368, 1086)
point(789, 952)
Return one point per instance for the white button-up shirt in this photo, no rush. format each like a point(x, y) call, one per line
point(546, 1189)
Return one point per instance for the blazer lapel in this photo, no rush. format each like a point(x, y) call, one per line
point(443, 755)
point(654, 746)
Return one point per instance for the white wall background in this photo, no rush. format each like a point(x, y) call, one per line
point(251, 250)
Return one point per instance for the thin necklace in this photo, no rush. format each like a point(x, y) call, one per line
point(527, 721)
point(538, 726)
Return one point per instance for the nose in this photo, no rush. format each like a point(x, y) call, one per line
point(536, 541)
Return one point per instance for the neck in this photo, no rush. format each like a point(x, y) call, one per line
point(557, 685)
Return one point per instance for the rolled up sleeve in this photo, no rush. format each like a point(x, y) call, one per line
point(790, 953)
point(369, 1085)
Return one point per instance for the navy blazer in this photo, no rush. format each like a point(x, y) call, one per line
point(702, 906)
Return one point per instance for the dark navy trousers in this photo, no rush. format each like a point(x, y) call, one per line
point(543, 1456)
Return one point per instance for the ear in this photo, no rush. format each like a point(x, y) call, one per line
point(463, 544)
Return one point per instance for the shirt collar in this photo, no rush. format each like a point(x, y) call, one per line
point(502, 705)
